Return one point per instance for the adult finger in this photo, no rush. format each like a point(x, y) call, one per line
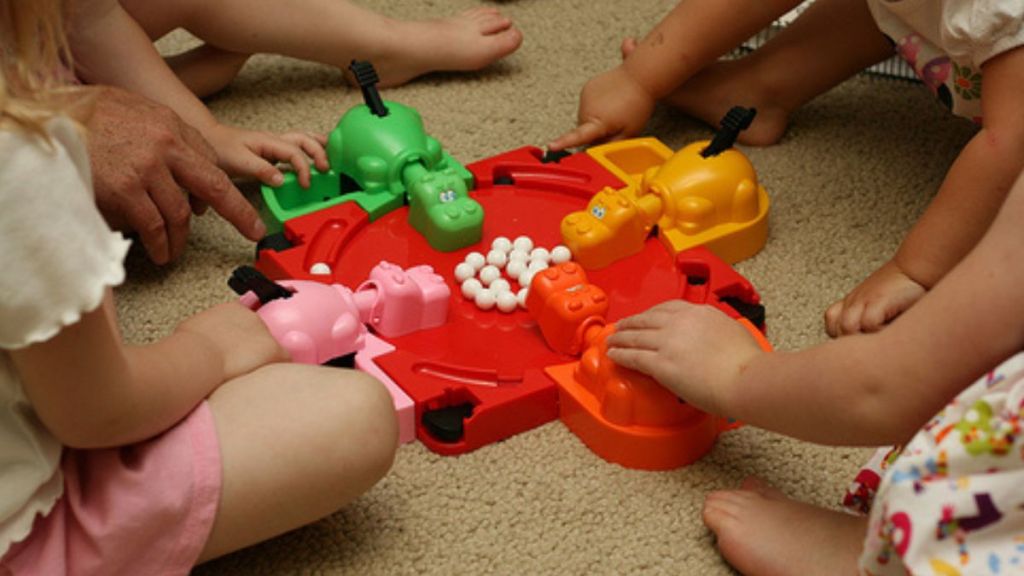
point(194, 140)
point(203, 179)
point(174, 209)
point(144, 218)
point(199, 206)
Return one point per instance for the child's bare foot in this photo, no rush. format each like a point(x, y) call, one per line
point(206, 69)
point(760, 531)
point(709, 94)
point(468, 41)
point(874, 303)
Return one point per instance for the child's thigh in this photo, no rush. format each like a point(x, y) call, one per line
point(160, 18)
point(297, 443)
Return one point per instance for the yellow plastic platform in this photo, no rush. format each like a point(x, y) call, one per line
point(694, 201)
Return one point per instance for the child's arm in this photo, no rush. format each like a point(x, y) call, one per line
point(111, 48)
point(960, 213)
point(869, 389)
point(93, 391)
point(617, 103)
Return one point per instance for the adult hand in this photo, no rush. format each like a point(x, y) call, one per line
point(151, 171)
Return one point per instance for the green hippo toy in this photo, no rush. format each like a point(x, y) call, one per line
point(380, 156)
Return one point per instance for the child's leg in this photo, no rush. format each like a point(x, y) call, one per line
point(206, 69)
point(761, 531)
point(335, 32)
point(827, 44)
point(297, 442)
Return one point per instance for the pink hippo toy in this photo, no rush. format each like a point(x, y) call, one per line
point(317, 322)
point(404, 301)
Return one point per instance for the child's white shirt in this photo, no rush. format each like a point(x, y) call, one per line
point(57, 257)
point(946, 42)
point(970, 31)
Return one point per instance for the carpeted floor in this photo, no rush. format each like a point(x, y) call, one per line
point(856, 168)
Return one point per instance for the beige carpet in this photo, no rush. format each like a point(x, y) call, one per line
point(856, 168)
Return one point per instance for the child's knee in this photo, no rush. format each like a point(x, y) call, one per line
point(369, 424)
point(380, 406)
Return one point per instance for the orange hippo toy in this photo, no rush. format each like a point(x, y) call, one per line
point(624, 416)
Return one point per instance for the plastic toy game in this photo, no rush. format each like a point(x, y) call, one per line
point(484, 375)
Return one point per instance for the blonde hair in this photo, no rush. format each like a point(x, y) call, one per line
point(33, 57)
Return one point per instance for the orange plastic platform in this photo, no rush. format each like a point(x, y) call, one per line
point(624, 416)
point(628, 418)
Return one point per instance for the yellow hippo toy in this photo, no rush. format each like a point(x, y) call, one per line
point(706, 194)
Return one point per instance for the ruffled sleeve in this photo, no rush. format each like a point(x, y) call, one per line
point(981, 29)
point(58, 255)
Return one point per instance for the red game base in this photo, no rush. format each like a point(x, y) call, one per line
point(480, 377)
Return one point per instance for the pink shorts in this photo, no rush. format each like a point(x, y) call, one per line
point(142, 509)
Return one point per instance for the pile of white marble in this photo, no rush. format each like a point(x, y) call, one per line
point(487, 279)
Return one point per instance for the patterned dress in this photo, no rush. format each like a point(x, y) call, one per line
point(947, 42)
point(951, 502)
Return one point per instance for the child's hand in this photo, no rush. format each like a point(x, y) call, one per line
point(238, 335)
point(613, 106)
point(248, 153)
point(875, 302)
point(694, 350)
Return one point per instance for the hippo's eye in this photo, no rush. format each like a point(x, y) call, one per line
point(447, 196)
point(598, 211)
